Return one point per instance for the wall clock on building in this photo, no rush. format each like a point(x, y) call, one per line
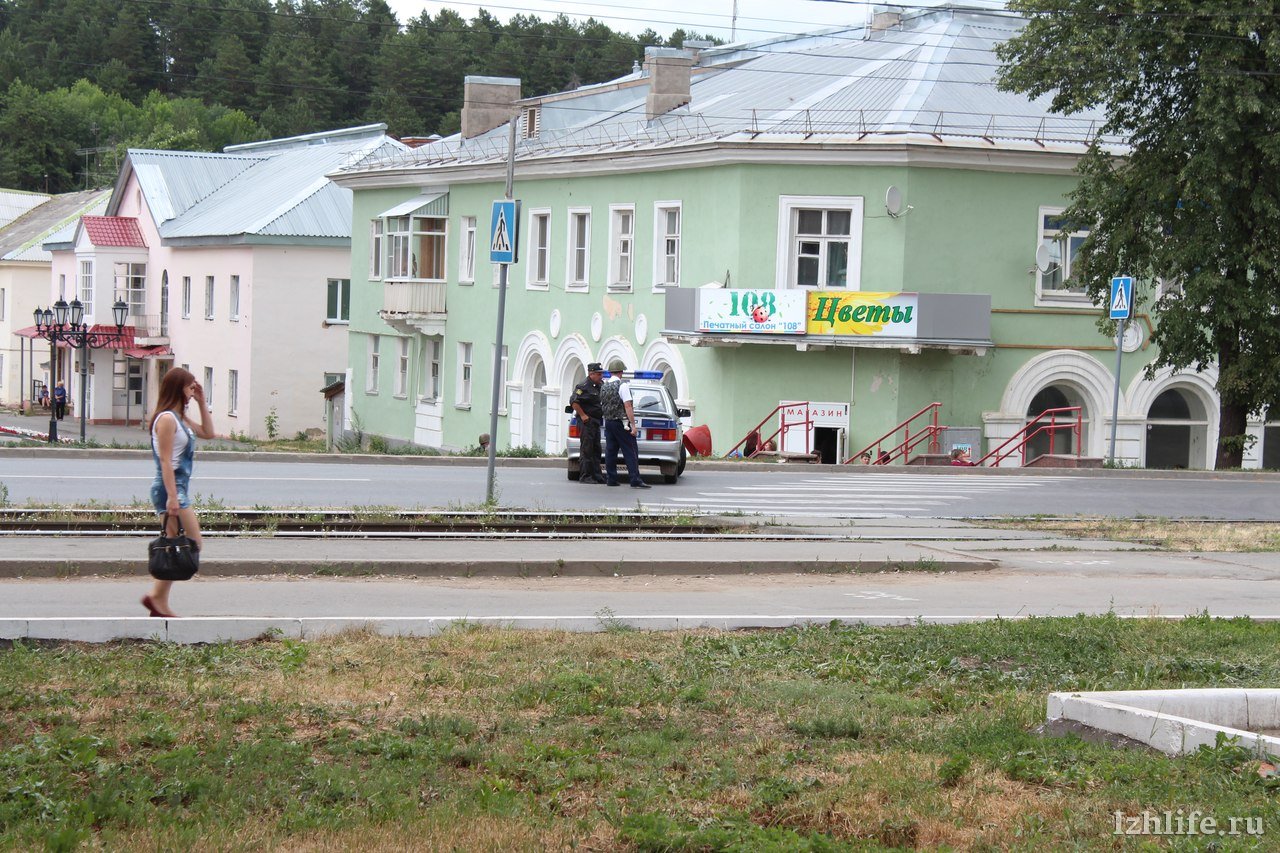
point(1132, 337)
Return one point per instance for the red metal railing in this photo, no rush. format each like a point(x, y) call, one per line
point(1019, 440)
point(910, 440)
point(779, 434)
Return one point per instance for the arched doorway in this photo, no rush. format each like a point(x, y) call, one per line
point(538, 411)
point(1177, 430)
point(1062, 440)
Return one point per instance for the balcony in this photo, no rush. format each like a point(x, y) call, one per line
point(414, 306)
point(148, 329)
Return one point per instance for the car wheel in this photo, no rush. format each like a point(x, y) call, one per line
point(680, 469)
point(573, 470)
point(670, 473)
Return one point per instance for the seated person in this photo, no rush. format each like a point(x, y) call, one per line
point(960, 457)
point(751, 445)
point(865, 458)
point(883, 458)
point(769, 447)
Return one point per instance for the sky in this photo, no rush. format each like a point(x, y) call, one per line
point(757, 19)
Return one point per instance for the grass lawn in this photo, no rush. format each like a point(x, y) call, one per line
point(1169, 534)
point(825, 738)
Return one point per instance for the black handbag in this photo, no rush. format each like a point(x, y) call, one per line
point(173, 558)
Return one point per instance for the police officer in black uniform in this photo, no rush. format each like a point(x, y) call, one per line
point(586, 405)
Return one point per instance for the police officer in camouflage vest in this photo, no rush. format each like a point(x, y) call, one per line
point(586, 405)
point(620, 430)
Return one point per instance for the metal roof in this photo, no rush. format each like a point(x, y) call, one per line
point(14, 203)
point(272, 189)
point(52, 222)
point(930, 81)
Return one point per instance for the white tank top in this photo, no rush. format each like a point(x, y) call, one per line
point(180, 439)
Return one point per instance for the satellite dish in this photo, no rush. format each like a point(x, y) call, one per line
point(1043, 262)
point(893, 201)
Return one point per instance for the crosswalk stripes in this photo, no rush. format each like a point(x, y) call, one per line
point(847, 495)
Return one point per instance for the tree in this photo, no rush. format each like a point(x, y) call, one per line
point(1193, 200)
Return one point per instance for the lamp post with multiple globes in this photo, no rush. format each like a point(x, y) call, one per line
point(65, 323)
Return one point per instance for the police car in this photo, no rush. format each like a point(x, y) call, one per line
point(661, 438)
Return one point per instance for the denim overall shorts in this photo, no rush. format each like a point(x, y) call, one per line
point(181, 475)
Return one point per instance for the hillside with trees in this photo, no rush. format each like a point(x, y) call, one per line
point(82, 80)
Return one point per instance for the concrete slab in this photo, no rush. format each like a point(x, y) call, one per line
point(91, 630)
point(218, 629)
point(13, 629)
point(1177, 722)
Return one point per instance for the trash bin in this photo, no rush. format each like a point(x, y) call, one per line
point(697, 440)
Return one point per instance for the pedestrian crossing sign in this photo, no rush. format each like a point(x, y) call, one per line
point(1121, 297)
point(504, 232)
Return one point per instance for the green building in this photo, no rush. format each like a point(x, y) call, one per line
point(825, 179)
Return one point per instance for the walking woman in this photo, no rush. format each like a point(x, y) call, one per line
point(173, 446)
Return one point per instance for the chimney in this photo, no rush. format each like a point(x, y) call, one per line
point(669, 74)
point(488, 102)
point(882, 21)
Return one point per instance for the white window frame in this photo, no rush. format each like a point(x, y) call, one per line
point(62, 285)
point(208, 387)
point(403, 262)
point(1060, 270)
point(467, 252)
point(622, 248)
point(86, 287)
point(462, 394)
point(233, 298)
point(209, 293)
point(4, 295)
point(578, 250)
point(131, 285)
point(787, 257)
point(343, 302)
point(661, 249)
point(502, 381)
point(186, 297)
point(402, 366)
point(376, 258)
point(233, 392)
point(538, 250)
point(373, 364)
point(429, 379)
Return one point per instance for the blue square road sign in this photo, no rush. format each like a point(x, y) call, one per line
point(1121, 304)
point(504, 232)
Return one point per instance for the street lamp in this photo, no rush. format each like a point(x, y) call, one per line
point(65, 323)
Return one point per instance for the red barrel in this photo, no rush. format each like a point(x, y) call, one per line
point(697, 440)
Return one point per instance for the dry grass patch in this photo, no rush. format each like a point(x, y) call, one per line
point(1179, 535)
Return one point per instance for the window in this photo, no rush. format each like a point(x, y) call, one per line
point(532, 122)
point(621, 246)
point(666, 249)
point(208, 297)
point(539, 272)
point(415, 247)
point(3, 293)
point(339, 302)
point(186, 297)
point(579, 257)
point(429, 376)
point(467, 251)
point(375, 249)
point(463, 397)
point(402, 367)
point(131, 285)
point(233, 391)
point(208, 387)
point(371, 375)
point(86, 286)
point(234, 303)
point(1063, 241)
point(62, 285)
point(820, 242)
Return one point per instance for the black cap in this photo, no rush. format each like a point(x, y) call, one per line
point(594, 367)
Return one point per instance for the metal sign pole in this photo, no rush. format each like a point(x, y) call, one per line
point(1115, 397)
point(497, 346)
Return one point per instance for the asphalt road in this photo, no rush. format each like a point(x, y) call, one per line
point(777, 491)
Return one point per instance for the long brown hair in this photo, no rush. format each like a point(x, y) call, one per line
point(172, 397)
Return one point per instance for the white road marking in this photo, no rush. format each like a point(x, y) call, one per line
point(872, 594)
point(202, 478)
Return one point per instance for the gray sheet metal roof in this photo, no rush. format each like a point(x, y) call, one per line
point(274, 189)
point(54, 221)
point(14, 203)
point(929, 81)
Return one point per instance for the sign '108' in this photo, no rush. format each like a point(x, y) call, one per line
point(744, 302)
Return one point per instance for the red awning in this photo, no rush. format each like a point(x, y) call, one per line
point(148, 352)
